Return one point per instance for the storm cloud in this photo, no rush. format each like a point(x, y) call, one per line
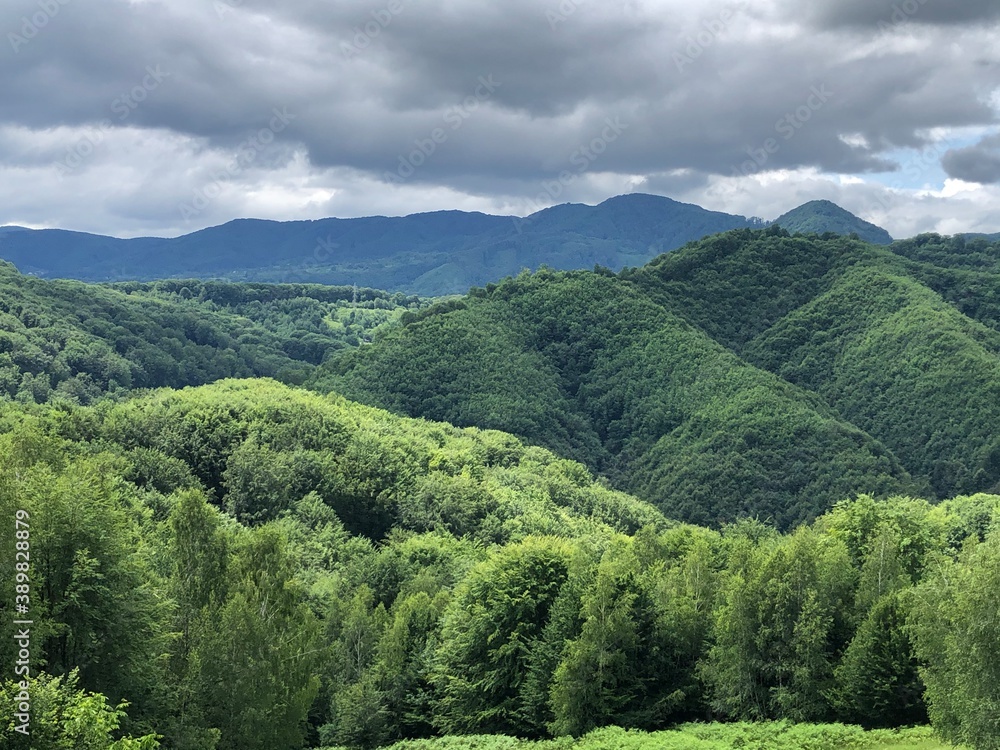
point(159, 118)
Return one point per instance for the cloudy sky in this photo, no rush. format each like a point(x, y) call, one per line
point(149, 117)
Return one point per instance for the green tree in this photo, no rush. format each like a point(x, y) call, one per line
point(957, 631)
point(258, 660)
point(358, 706)
point(65, 717)
point(496, 618)
point(596, 679)
point(878, 684)
point(781, 625)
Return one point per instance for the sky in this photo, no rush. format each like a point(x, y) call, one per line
point(141, 117)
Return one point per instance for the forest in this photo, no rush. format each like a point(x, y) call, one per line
point(754, 372)
point(75, 342)
point(742, 496)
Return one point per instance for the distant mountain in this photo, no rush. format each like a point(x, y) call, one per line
point(982, 235)
point(444, 252)
point(819, 217)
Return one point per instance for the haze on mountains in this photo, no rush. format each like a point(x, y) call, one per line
point(432, 254)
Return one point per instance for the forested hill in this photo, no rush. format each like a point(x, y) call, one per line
point(438, 253)
point(817, 217)
point(247, 565)
point(66, 340)
point(753, 372)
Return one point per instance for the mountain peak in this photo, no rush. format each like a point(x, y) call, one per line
point(819, 216)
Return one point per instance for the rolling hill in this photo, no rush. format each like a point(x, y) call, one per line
point(246, 565)
point(67, 340)
point(749, 373)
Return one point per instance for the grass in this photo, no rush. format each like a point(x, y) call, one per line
point(741, 736)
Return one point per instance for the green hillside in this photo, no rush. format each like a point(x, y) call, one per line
point(587, 365)
point(673, 380)
point(936, 398)
point(502, 556)
point(882, 339)
point(65, 340)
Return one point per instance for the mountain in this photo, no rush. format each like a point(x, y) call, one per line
point(819, 217)
point(431, 254)
point(752, 372)
point(443, 252)
point(694, 382)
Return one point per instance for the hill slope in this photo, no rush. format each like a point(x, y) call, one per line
point(867, 330)
point(751, 372)
point(311, 572)
point(74, 341)
point(589, 366)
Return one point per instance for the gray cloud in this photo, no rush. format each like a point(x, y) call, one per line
point(371, 88)
point(979, 163)
point(879, 14)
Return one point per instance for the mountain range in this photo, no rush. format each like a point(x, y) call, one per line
point(430, 254)
point(753, 372)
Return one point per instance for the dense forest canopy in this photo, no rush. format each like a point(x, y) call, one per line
point(754, 372)
point(245, 565)
point(818, 217)
point(65, 340)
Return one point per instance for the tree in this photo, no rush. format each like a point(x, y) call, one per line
point(258, 659)
point(496, 618)
point(65, 717)
point(782, 623)
point(957, 631)
point(596, 679)
point(878, 684)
